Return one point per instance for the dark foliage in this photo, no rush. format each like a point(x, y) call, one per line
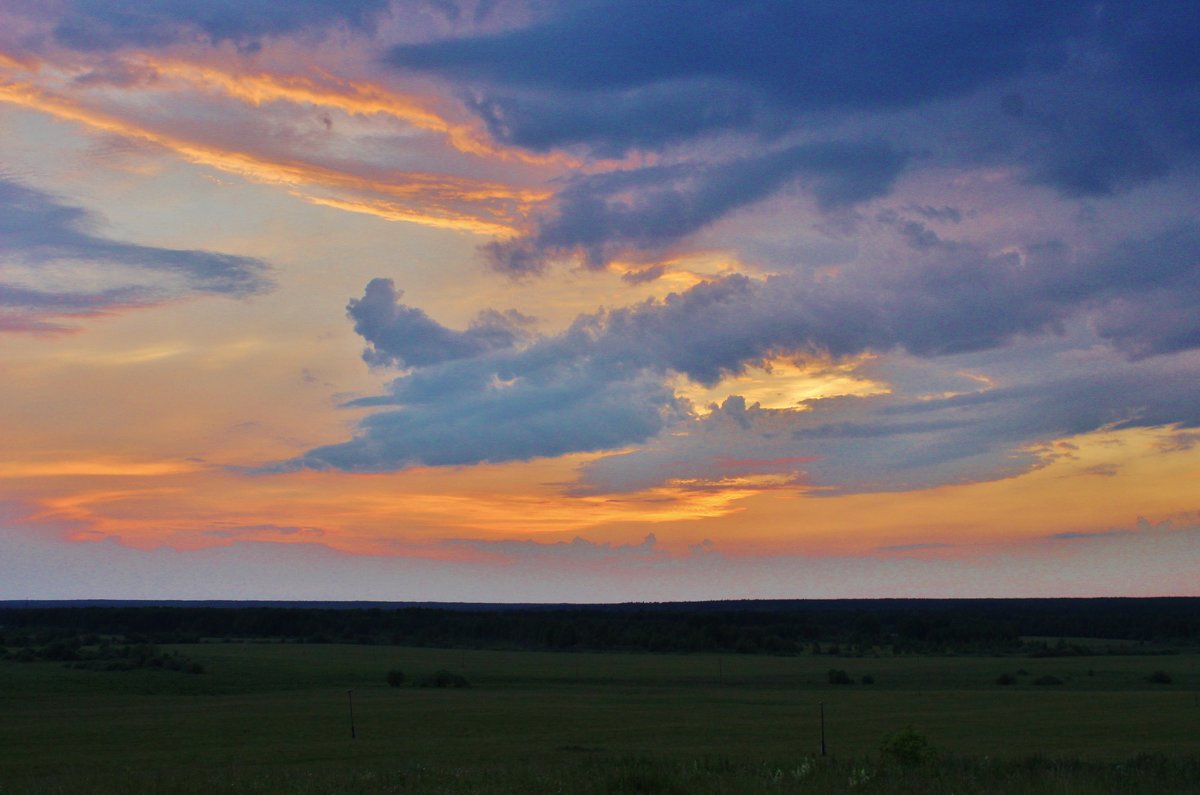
point(844, 627)
point(837, 676)
point(86, 654)
point(906, 747)
point(444, 678)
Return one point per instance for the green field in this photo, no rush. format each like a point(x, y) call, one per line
point(276, 717)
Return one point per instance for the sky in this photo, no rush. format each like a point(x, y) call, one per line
point(599, 300)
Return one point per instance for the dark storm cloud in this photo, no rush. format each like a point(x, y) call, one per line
point(784, 55)
point(1089, 100)
point(610, 125)
point(1125, 110)
point(39, 232)
point(602, 215)
point(100, 25)
point(1101, 98)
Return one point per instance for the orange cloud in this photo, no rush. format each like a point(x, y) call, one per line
point(185, 506)
point(93, 467)
point(1113, 478)
point(432, 199)
point(349, 96)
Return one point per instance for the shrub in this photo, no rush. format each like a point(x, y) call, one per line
point(906, 747)
point(444, 678)
point(1006, 679)
point(395, 677)
point(837, 676)
point(1159, 678)
point(1047, 679)
point(867, 679)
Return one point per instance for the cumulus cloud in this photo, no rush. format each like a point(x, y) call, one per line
point(484, 395)
point(474, 401)
point(407, 337)
point(56, 266)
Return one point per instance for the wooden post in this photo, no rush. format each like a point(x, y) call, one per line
point(350, 695)
point(822, 728)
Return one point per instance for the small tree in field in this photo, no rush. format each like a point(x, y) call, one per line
point(906, 747)
point(837, 676)
point(395, 677)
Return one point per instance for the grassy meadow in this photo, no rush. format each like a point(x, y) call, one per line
point(276, 717)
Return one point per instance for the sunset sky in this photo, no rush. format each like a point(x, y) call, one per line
point(599, 300)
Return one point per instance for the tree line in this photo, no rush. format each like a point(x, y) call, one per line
point(753, 627)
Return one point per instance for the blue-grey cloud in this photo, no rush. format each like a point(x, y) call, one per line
point(93, 25)
point(912, 440)
point(407, 337)
point(239, 531)
point(600, 216)
point(47, 240)
point(472, 402)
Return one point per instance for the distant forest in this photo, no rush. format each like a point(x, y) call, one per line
point(901, 626)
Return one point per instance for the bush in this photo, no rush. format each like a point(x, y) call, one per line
point(1006, 679)
point(837, 676)
point(1047, 680)
point(1159, 678)
point(395, 677)
point(867, 679)
point(444, 678)
point(906, 747)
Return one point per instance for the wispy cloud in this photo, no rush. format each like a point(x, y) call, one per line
point(429, 198)
point(577, 548)
point(47, 244)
